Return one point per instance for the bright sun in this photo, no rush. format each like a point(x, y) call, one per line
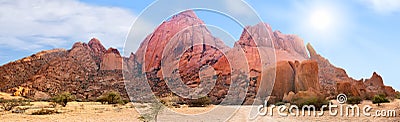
point(321, 20)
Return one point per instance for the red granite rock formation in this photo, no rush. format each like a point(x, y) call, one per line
point(183, 48)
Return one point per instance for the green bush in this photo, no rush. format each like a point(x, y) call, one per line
point(354, 100)
point(318, 102)
point(200, 102)
point(10, 104)
point(110, 98)
point(63, 98)
point(378, 99)
point(398, 95)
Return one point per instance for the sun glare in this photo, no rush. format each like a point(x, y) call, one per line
point(321, 20)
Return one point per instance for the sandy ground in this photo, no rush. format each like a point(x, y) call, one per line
point(78, 111)
point(93, 111)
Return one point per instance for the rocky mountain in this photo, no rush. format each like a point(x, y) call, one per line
point(86, 70)
point(184, 54)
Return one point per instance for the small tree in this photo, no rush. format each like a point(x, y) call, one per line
point(110, 98)
point(354, 100)
point(63, 98)
point(378, 99)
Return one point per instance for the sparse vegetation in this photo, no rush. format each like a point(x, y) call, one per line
point(378, 99)
point(279, 103)
point(200, 102)
point(10, 104)
point(398, 95)
point(318, 102)
point(170, 101)
point(152, 113)
point(110, 98)
point(63, 98)
point(354, 100)
point(44, 112)
point(52, 105)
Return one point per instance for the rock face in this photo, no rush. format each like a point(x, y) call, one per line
point(295, 77)
point(255, 45)
point(111, 60)
point(182, 53)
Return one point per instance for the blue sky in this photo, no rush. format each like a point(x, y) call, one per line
point(360, 36)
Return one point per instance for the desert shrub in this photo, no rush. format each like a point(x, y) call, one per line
point(44, 112)
point(10, 104)
point(125, 101)
point(318, 102)
point(52, 105)
point(354, 100)
point(110, 98)
point(152, 112)
point(18, 109)
point(170, 100)
point(398, 95)
point(378, 99)
point(63, 98)
point(279, 103)
point(200, 102)
point(145, 118)
point(367, 97)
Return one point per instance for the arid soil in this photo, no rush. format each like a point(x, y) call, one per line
point(77, 111)
point(93, 111)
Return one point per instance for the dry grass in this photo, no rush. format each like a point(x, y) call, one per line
point(95, 111)
point(7, 96)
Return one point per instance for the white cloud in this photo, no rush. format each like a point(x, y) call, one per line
point(383, 6)
point(33, 25)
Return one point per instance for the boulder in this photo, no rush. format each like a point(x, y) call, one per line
point(295, 76)
point(347, 88)
point(311, 92)
point(288, 97)
point(284, 80)
point(306, 75)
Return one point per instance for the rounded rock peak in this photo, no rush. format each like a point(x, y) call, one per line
point(94, 41)
point(187, 13)
point(113, 50)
